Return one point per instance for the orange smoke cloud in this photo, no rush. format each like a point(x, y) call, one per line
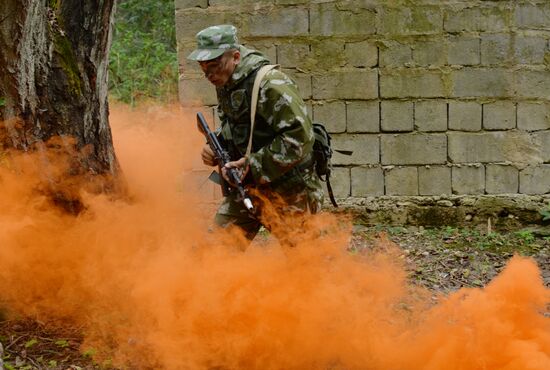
point(153, 288)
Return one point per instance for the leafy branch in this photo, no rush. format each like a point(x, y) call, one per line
point(143, 58)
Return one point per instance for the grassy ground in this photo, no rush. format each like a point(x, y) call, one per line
point(441, 259)
point(446, 259)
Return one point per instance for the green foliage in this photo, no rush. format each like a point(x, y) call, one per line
point(396, 230)
point(545, 213)
point(62, 343)
point(522, 241)
point(143, 58)
point(90, 352)
point(31, 343)
point(2, 102)
point(525, 236)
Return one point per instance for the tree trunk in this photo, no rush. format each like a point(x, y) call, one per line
point(53, 76)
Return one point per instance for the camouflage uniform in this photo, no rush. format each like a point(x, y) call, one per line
point(281, 163)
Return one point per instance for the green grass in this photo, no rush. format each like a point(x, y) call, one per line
point(523, 242)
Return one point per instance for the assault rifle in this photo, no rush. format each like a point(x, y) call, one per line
point(222, 156)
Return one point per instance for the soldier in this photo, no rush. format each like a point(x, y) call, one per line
point(281, 164)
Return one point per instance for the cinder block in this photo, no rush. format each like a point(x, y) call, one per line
point(328, 20)
point(197, 92)
point(401, 181)
point(367, 181)
point(309, 107)
point(192, 20)
point(188, 68)
point(482, 82)
point(397, 116)
point(475, 147)
point(464, 116)
point(430, 53)
point(468, 180)
point(411, 83)
point(332, 114)
point(348, 84)
point(236, 2)
point(501, 179)
point(303, 81)
point(534, 116)
point(535, 179)
point(328, 54)
point(268, 49)
point(361, 54)
point(542, 140)
point(291, 2)
point(340, 182)
point(278, 22)
point(491, 19)
point(434, 180)
point(365, 147)
point(363, 116)
point(395, 54)
point(492, 146)
point(406, 149)
point(410, 20)
point(495, 48)
point(499, 115)
point(530, 49)
point(185, 4)
point(464, 50)
point(430, 115)
point(532, 16)
point(532, 84)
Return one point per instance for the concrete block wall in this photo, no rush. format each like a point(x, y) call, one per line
point(433, 96)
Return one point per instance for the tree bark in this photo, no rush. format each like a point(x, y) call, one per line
point(53, 76)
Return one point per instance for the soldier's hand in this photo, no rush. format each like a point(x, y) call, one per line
point(208, 157)
point(241, 166)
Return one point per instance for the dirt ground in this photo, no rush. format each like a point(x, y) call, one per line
point(449, 258)
point(440, 259)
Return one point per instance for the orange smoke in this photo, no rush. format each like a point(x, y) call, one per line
point(155, 289)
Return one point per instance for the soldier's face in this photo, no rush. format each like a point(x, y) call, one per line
point(218, 71)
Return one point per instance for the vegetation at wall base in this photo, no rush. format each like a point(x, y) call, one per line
point(545, 213)
point(143, 59)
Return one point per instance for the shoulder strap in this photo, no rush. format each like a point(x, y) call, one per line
point(255, 90)
point(330, 193)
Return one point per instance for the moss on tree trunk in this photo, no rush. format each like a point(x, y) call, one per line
point(53, 77)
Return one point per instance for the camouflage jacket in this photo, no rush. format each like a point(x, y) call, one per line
point(283, 134)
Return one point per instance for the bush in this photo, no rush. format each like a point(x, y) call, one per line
point(143, 59)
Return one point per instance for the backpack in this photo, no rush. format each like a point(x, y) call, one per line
point(322, 150)
point(322, 155)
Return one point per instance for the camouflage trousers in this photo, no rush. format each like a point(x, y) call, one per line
point(280, 209)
